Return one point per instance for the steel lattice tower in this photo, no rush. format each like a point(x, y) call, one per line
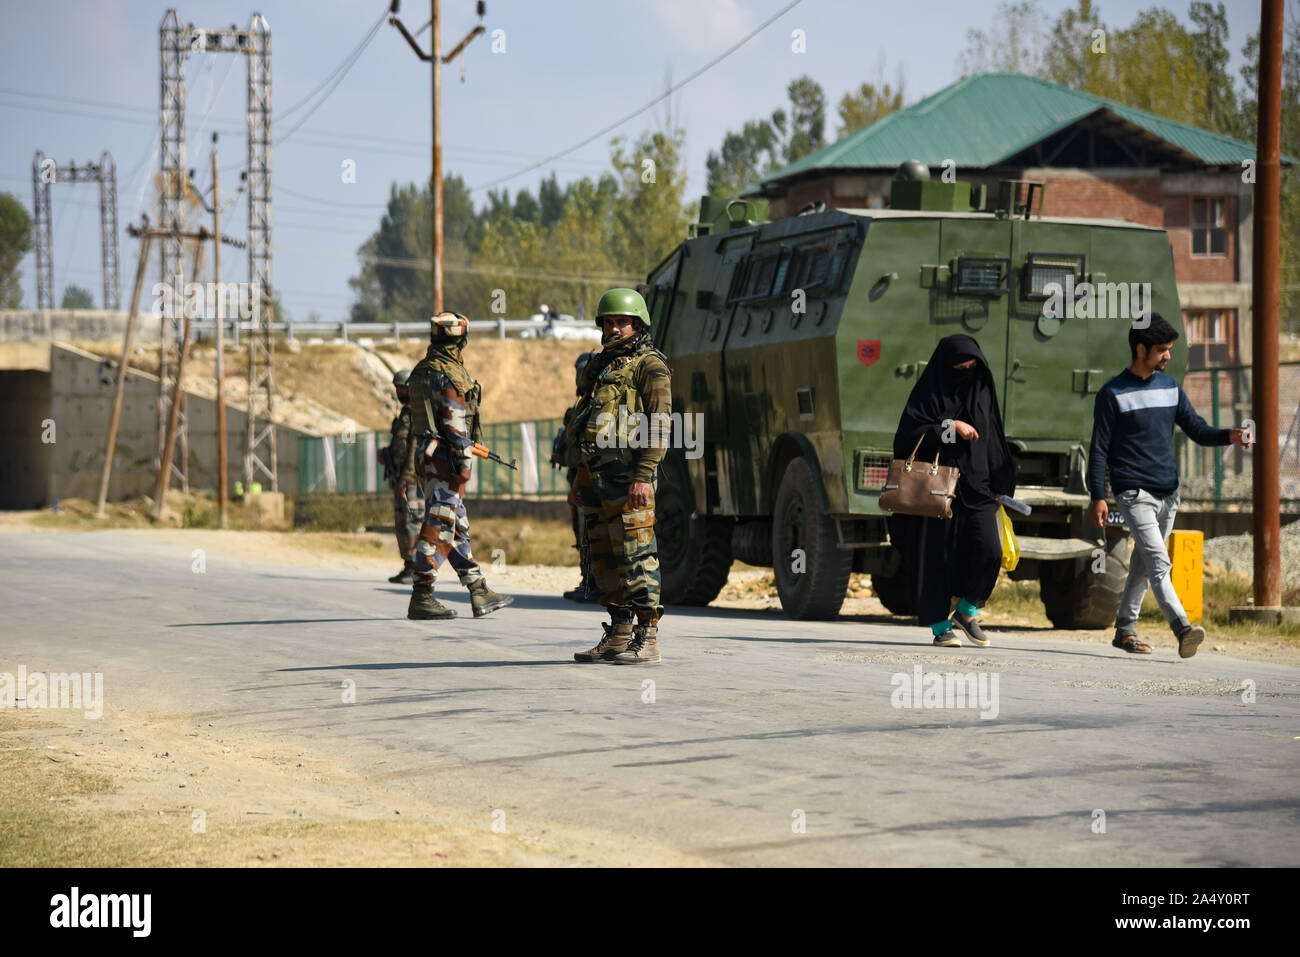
point(175, 43)
point(44, 172)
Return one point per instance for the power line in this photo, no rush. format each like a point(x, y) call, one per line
point(345, 66)
point(658, 99)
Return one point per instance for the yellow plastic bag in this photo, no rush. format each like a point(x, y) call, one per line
point(1010, 547)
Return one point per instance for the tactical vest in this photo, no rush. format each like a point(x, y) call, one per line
point(429, 378)
point(605, 431)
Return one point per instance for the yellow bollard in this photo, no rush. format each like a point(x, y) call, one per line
point(1186, 553)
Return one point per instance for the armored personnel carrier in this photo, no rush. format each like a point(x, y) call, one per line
point(798, 340)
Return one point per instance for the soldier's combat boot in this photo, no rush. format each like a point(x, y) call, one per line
point(616, 640)
point(643, 649)
point(405, 576)
point(484, 600)
point(423, 605)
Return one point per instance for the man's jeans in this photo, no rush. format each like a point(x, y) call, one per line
point(1150, 520)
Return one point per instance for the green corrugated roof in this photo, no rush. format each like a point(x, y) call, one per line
point(984, 119)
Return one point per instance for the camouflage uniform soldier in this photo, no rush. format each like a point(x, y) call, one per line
point(566, 454)
point(399, 470)
point(624, 423)
point(444, 421)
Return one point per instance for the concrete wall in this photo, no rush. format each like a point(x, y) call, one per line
point(86, 325)
point(78, 396)
point(25, 464)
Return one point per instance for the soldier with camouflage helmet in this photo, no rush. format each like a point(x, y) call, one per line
point(445, 423)
point(399, 469)
point(625, 387)
point(566, 454)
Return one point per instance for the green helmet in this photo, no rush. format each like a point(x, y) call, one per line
point(623, 302)
point(401, 376)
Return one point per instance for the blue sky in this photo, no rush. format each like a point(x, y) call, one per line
point(569, 67)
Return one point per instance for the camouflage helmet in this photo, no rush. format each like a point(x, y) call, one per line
point(623, 302)
point(401, 377)
point(451, 325)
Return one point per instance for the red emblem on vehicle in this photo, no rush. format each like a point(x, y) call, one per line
point(868, 351)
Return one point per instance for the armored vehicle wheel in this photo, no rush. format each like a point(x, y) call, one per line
point(1074, 596)
point(694, 556)
point(811, 582)
point(896, 589)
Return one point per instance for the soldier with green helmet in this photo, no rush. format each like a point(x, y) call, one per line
point(445, 424)
point(565, 454)
point(399, 470)
point(626, 388)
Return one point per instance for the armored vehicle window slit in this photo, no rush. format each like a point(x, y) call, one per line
point(1044, 268)
point(980, 276)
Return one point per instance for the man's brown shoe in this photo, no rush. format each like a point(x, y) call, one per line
point(615, 641)
point(1189, 639)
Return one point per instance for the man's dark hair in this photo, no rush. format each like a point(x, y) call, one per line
point(1158, 332)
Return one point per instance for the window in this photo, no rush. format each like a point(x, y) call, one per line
point(1210, 338)
point(1209, 235)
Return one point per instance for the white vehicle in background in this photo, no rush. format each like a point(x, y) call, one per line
point(552, 324)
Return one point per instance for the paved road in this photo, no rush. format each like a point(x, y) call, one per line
point(755, 722)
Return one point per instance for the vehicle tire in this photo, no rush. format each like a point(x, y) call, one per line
point(694, 556)
point(896, 589)
point(816, 592)
point(1074, 596)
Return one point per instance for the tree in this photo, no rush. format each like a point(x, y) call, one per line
point(870, 102)
point(650, 213)
point(1014, 44)
point(764, 145)
point(74, 297)
point(15, 241)
point(807, 118)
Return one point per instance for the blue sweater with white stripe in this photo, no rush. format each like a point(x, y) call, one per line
point(1132, 429)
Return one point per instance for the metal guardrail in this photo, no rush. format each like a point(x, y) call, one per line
point(350, 331)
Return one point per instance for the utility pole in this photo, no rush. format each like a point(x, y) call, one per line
point(437, 60)
point(1264, 305)
point(146, 240)
point(223, 492)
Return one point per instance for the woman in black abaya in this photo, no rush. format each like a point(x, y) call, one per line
point(953, 409)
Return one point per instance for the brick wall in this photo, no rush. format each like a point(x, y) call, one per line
point(1138, 200)
point(1178, 223)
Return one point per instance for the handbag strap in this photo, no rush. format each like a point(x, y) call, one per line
point(934, 467)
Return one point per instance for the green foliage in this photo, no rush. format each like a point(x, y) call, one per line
point(15, 241)
point(563, 246)
point(74, 297)
point(765, 145)
point(870, 102)
point(1015, 42)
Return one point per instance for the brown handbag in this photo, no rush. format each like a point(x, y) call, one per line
point(925, 490)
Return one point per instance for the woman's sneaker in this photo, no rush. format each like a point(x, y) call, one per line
point(973, 630)
point(947, 639)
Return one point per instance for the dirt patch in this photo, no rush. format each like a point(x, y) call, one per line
point(140, 789)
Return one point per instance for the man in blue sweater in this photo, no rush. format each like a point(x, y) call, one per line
point(1132, 435)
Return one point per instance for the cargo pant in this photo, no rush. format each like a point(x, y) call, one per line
point(1150, 519)
point(621, 544)
point(444, 533)
point(408, 513)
